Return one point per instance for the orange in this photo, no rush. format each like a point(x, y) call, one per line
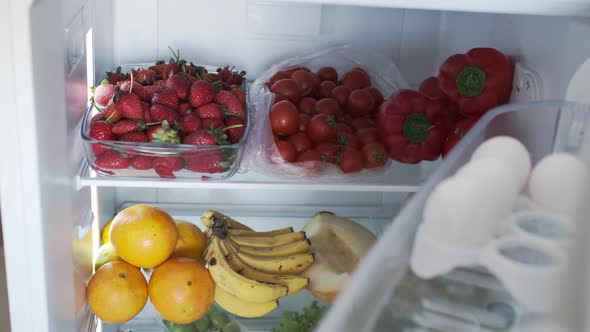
point(143, 235)
point(191, 241)
point(181, 290)
point(117, 292)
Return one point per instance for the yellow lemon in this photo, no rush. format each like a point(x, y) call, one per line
point(105, 235)
point(106, 253)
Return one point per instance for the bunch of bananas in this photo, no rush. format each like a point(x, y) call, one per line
point(252, 270)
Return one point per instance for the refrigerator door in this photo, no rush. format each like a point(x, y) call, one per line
point(384, 295)
point(44, 216)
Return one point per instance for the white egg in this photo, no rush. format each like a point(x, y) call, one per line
point(458, 212)
point(497, 178)
point(510, 150)
point(557, 182)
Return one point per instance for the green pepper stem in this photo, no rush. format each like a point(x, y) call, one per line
point(417, 127)
point(471, 81)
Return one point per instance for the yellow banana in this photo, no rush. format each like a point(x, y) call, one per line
point(299, 247)
point(208, 219)
point(236, 284)
point(267, 241)
point(293, 283)
point(293, 264)
point(279, 231)
point(239, 307)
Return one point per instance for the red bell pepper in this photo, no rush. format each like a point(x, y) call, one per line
point(457, 133)
point(413, 127)
point(477, 81)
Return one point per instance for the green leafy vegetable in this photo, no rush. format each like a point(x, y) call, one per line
point(305, 322)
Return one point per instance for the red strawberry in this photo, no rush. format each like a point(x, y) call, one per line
point(112, 114)
point(180, 84)
point(207, 163)
point(97, 117)
point(147, 118)
point(115, 77)
point(230, 101)
point(165, 166)
point(211, 123)
point(170, 69)
point(161, 84)
point(129, 105)
point(210, 111)
point(103, 93)
point(101, 131)
point(160, 113)
point(137, 89)
point(236, 78)
point(166, 97)
point(144, 76)
point(127, 126)
point(235, 129)
point(163, 134)
point(206, 137)
point(152, 89)
point(185, 108)
point(136, 136)
point(240, 95)
point(158, 67)
point(111, 159)
point(201, 93)
point(225, 73)
point(190, 123)
point(212, 77)
point(141, 162)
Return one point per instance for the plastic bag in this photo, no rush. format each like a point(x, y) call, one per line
point(263, 156)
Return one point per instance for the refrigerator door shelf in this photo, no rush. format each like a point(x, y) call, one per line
point(360, 308)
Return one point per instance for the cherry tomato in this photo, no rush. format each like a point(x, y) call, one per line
point(352, 160)
point(363, 122)
point(303, 122)
point(368, 135)
point(375, 155)
point(306, 105)
point(278, 76)
point(300, 141)
point(287, 151)
point(288, 88)
point(307, 81)
point(290, 71)
point(348, 140)
point(284, 118)
point(326, 88)
point(321, 128)
point(329, 152)
point(344, 128)
point(377, 95)
point(328, 74)
point(356, 79)
point(309, 155)
point(360, 102)
point(328, 106)
point(341, 93)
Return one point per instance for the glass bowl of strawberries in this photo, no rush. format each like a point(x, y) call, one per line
point(169, 119)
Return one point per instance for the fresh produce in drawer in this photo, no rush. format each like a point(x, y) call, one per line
point(170, 119)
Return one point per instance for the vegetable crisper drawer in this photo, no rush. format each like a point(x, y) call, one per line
point(384, 295)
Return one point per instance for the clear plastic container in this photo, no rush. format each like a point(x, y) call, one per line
point(226, 158)
point(383, 282)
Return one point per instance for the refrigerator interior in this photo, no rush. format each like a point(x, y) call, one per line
point(65, 49)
